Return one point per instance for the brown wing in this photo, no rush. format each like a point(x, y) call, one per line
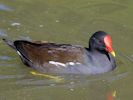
point(43, 52)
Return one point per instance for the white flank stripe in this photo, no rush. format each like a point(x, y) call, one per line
point(19, 53)
point(63, 64)
point(78, 63)
point(57, 63)
point(71, 63)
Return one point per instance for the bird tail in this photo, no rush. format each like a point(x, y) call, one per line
point(10, 43)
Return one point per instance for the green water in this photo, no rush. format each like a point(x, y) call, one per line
point(66, 21)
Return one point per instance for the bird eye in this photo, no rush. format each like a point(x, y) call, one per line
point(100, 41)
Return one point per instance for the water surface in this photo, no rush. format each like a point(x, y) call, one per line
point(66, 21)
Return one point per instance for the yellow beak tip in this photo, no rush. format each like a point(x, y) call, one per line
point(113, 53)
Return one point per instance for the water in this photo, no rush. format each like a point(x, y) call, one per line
point(66, 21)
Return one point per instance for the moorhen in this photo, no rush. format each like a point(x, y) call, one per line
point(66, 58)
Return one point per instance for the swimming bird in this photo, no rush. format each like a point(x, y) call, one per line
point(47, 57)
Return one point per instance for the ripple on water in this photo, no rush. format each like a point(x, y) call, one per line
point(25, 38)
point(31, 82)
point(10, 76)
point(131, 58)
point(71, 82)
point(5, 8)
point(3, 33)
point(5, 58)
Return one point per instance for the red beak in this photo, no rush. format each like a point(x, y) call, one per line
point(108, 44)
